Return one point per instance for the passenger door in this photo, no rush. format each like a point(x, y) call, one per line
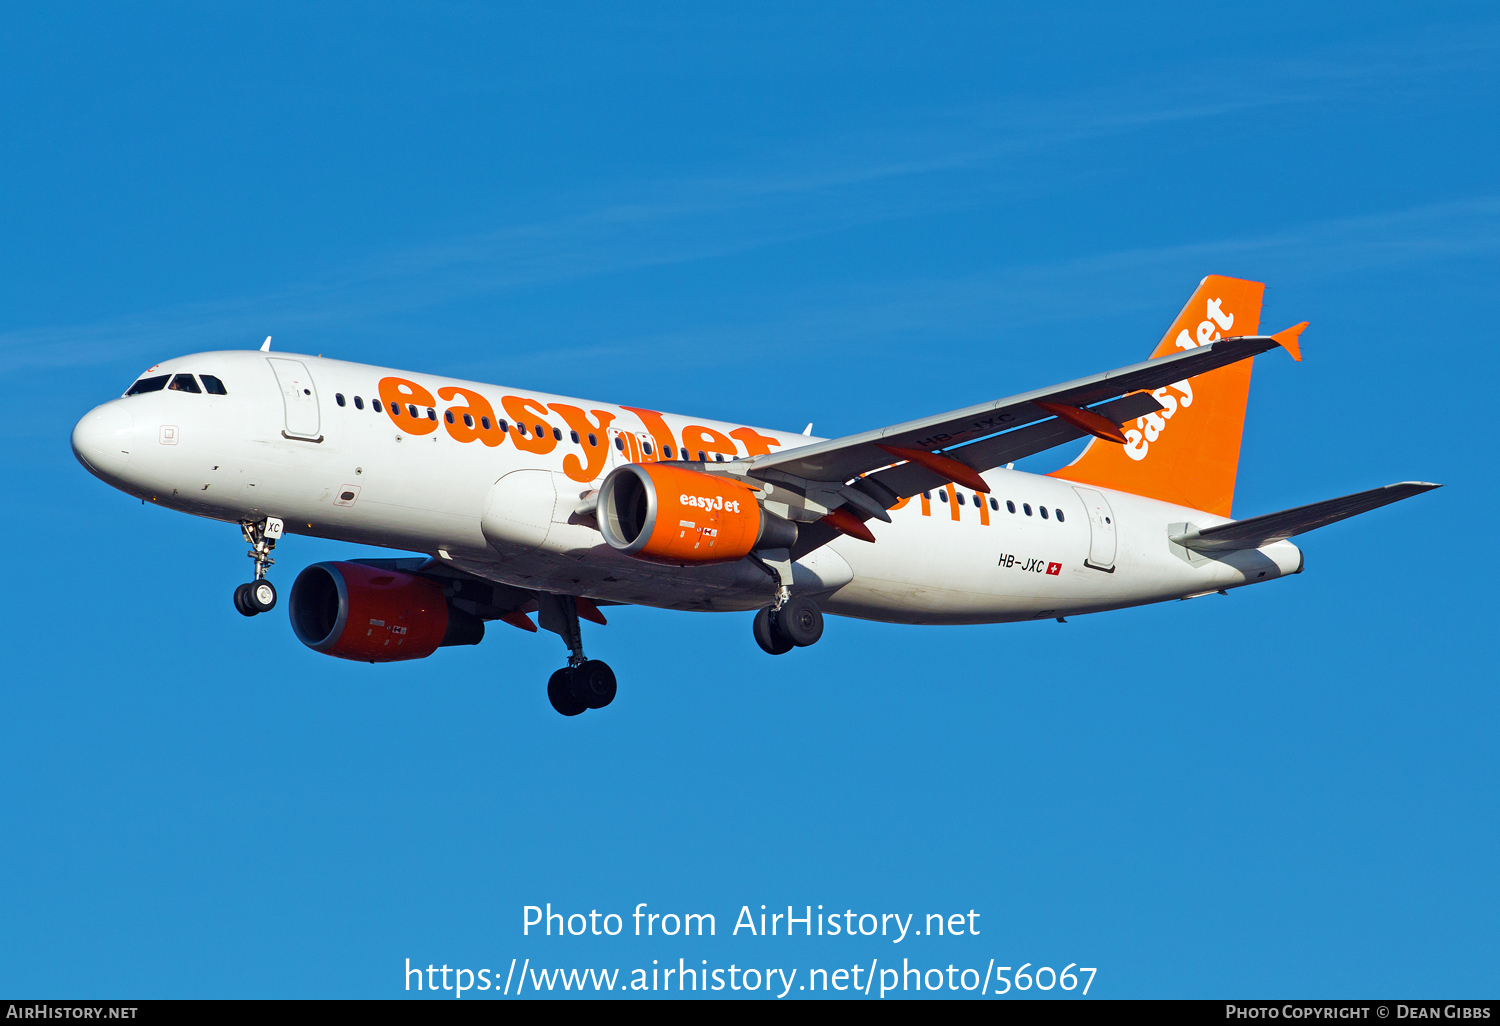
point(300, 396)
point(1101, 530)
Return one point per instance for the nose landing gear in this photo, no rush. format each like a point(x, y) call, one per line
point(584, 683)
point(259, 595)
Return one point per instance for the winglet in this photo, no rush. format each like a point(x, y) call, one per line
point(265, 346)
point(1288, 340)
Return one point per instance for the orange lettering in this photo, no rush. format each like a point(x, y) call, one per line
point(952, 501)
point(756, 444)
point(478, 413)
point(595, 454)
point(538, 437)
point(696, 438)
point(900, 502)
point(658, 429)
point(399, 391)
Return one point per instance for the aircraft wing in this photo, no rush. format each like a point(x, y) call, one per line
point(1254, 532)
point(841, 460)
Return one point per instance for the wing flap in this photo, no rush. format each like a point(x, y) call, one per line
point(1254, 532)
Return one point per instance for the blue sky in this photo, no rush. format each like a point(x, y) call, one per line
point(851, 215)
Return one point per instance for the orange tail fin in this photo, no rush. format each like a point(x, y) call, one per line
point(1189, 452)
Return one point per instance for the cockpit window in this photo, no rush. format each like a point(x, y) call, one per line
point(212, 385)
point(185, 383)
point(155, 384)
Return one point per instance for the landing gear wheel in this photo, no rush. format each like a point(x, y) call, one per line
point(560, 693)
point(242, 601)
point(800, 621)
point(593, 684)
point(260, 595)
point(768, 635)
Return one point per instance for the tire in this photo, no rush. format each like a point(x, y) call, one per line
point(593, 684)
point(769, 637)
point(242, 601)
point(801, 622)
point(260, 595)
point(560, 694)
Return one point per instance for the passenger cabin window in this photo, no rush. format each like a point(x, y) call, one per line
point(702, 456)
point(619, 443)
point(212, 385)
point(431, 413)
point(958, 497)
point(504, 426)
point(448, 416)
point(1043, 511)
point(185, 383)
point(1059, 515)
point(647, 447)
point(593, 440)
point(994, 504)
point(469, 420)
point(942, 494)
point(359, 403)
point(573, 435)
point(375, 405)
point(667, 451)
point(1010, 505)
point(338, 397)
point(557, 434)
point(1027, 507)
point(485, 421)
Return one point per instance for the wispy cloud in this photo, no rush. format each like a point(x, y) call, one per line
point(949, 161)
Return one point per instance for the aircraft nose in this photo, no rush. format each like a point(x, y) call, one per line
point(103, 438)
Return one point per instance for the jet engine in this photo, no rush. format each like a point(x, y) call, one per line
point(372, 615)
point(666, 514)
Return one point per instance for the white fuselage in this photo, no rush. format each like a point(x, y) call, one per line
point(509, 515)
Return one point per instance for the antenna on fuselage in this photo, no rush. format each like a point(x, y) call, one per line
point(265, 346)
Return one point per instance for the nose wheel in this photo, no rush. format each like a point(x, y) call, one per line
point(255, 597)
point(259, 595)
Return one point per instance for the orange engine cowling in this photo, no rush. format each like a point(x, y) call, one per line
point(667, 514)
point(373, 615)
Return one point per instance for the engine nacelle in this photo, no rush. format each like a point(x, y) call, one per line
point(372, 615)
point(666, 514)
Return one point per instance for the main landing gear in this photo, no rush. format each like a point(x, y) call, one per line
point(797, 623)
point(584, 683)
point(259, 595)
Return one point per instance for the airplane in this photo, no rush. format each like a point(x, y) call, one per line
point(523, 502)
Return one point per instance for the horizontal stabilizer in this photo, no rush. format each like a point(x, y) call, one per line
point(1262, 530)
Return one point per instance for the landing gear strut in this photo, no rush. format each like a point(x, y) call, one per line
point(797, 624)
point(259, 595)
point(584, 683)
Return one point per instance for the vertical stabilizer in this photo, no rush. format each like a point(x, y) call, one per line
point(1189, 452)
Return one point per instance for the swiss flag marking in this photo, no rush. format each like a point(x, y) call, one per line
point(1053, 569)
